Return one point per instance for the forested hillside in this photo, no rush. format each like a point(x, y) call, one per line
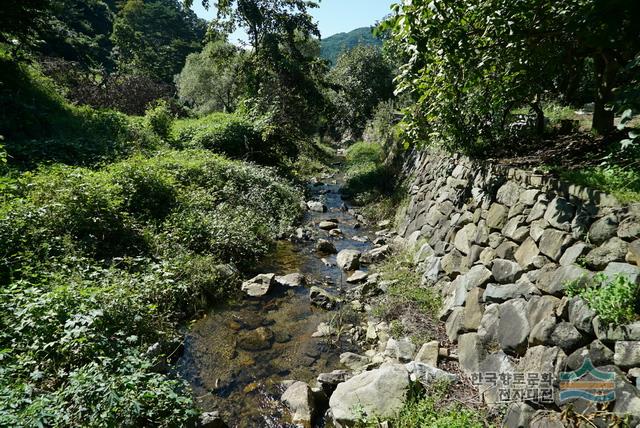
point(333, 46)
point(195, 232)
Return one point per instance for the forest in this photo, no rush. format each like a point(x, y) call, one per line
point(148, 164)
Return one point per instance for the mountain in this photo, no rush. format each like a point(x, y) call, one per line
point(332, 47)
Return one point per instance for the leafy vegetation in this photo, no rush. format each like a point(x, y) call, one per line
point(623, 183)
point(615, 300)
point(470, 64)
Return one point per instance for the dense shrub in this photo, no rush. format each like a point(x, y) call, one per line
point(367, 177)
point(99, 266)
point(39, 125)
point(614, 300)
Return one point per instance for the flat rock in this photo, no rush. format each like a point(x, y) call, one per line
point(327, 225)
point(316, 206)
point(326, 247)
point(573, 253)
point(291, 280)
point(505, 271)
point(349, 260)
point(613, 250)
point(322, 298)
point(377, 393)
point(627, 354)
point(603, 229)
point(553, 243)
point(259, 285)
point(559, 214)
point(299, 399)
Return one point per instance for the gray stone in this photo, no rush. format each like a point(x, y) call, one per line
point(495, 239)
point(211, 420)
point(603, 229)
point(580, 315)
point(376, 254)
point(473, 309)
point(507, 250)
point(509, 193)
point(357, 276)
point(259, 285)
point(567, 337)
point(553, 243)
point(477, 276)
point(561, 277)
point(518, 415)
point(471, 352)
point(514, 230)
point(423, 254)
point(505, 271)
point(537, 229)
point(428, 353)
point(426, 374)
point(546, 419)
point(299, 399)
point(542, 359)
point(540, 308)
point(627, 354)
point(488, 330)
point(377, 393)
point(327, 225)
point(349, 259)
point(633, 253)
point(353, 361)
point(329, 381)
point(614, 250)
point(541, 333)
point(537, 212)
point(513, 327)
point(259, 339)
point(497, 216)
point(529, 197)
point(482, 233)
point(293, 280)
point(487, 256)
point(454, 325)
point(527, 253)
point(402, 350)
point(496, 293)
point(518, 210)
point(629, 332)
point(325, 247)
point(597, 352)
point(465, 237)
point(559, 214)
point(498, 362)
point(629, 229)
point(322, 298)
point(316, 206)
point(631, 272)
point(454, 262)
point(573, 253)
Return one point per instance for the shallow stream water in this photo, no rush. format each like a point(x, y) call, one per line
point(245, 386)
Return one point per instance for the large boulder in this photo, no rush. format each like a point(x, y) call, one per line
point(322, 298)
point(471, 352)
point(613, 250)
point(526, 254)
point(316, 206)
point(299, 399)
point(502, 292)
point(542, 359)
point(573, 253)
point(349, 259)
point(497, 216)
point(603, 229)
point(566, 337)
point(465, 237)
point(631, 272)
point(553, 243)
point(402, 350)
point(627, 354)
point(259, 339)
point(558, 281)
point(259, 285)
point(292, 280)
point(513, 326)
point(377, 393)
point(559, 214)
point(509, 193)
point(329, 381)
point(325, 247)
point(629, 228)
point(505, 271)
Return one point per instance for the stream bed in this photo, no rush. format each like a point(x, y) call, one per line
point(244, 383)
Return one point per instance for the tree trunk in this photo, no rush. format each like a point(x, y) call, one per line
point(537, 108)
point(606, 70)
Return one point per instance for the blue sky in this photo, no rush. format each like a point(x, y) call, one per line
point(333, 16)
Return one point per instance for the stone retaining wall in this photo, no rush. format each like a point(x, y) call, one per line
point(500, 244)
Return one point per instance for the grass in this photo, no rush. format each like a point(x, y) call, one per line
point(623, 183)
point(425, 409)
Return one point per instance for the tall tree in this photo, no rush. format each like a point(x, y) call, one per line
point(21, 19)
point(362, 78)
point(213, 80)
point(154, 37)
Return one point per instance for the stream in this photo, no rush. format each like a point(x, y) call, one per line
point(245, 386)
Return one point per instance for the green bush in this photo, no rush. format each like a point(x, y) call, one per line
point(222, 133)
point(615, 300)
point(361, 153)
point(39, 125)
point(159, 119)
point(622, 182)
point(99, 266)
